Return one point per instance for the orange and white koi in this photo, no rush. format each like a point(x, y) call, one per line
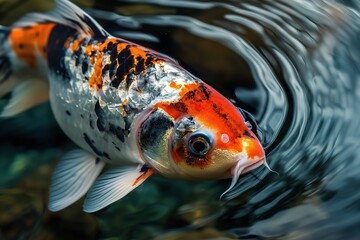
point(122, 104)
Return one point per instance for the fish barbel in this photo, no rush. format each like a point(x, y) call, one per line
point(122, 104)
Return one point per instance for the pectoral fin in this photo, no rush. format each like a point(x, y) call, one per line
point(72, 178)
point(114, 185)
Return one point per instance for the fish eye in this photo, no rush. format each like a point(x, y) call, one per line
point(200, 143)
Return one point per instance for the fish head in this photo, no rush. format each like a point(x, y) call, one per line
point(201, 136)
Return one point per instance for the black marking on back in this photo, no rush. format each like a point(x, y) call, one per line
point(110, 46)
point(149, 59)
point(140, 65)
point(113, 53)
point(105, 70)
point(108, 69)
point(56, 49)
point(85, 66)
point(129, 80)
point(116, 81)
point(91, 143)
point(68, 112)
point(126, 62)
point(124, 54)
point(100, 113)
point(128, 65)
point(112, 71)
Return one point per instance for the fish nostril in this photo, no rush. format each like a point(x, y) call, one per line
point(225, 138)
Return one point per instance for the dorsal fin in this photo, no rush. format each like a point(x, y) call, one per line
point(68, 14)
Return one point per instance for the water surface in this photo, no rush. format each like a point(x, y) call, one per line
point(293, 65)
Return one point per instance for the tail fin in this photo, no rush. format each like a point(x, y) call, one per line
point(25, 93)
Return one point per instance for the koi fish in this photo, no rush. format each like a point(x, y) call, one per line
point(123, 105)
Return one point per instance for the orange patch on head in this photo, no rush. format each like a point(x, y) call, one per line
point(213, 110)
point(30, 41)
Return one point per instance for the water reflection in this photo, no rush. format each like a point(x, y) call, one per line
point(295, 66)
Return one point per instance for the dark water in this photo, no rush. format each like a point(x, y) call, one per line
point(293, 65)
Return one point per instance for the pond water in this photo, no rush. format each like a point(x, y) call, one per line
point(294, 66)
